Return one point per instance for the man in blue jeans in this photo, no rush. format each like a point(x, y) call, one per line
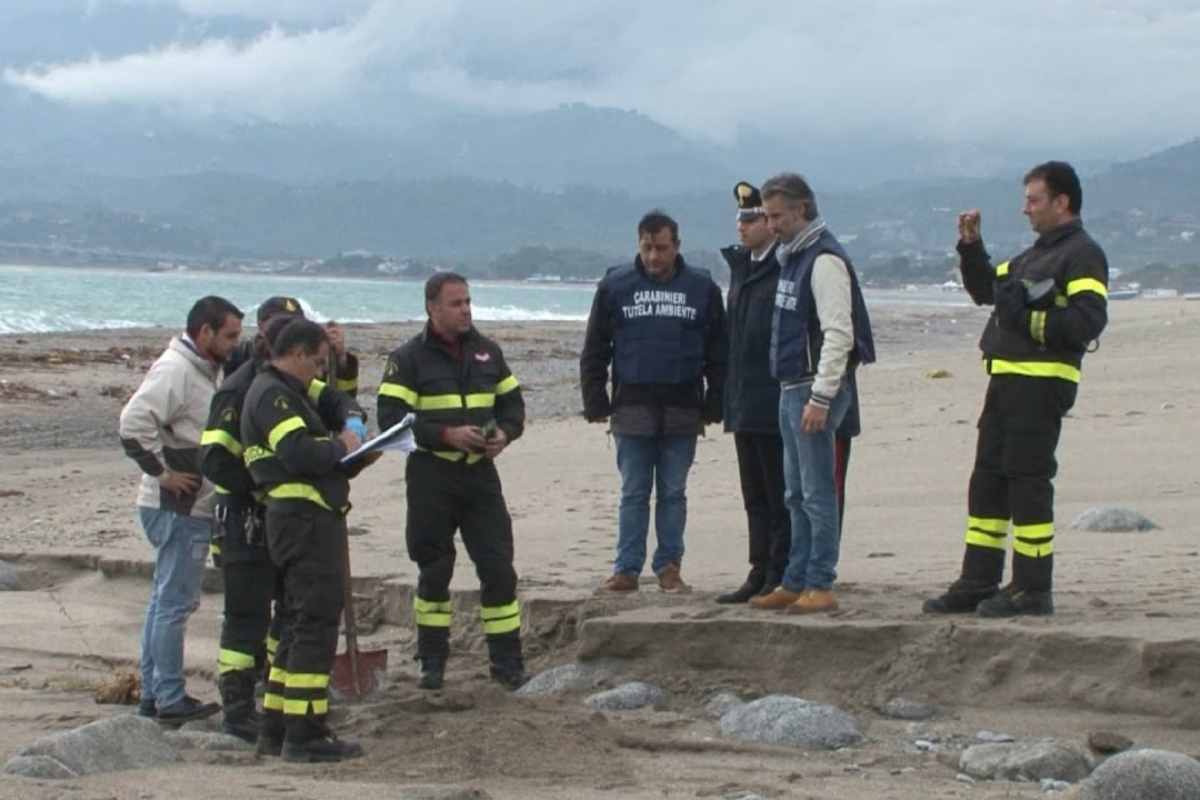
point(160, 430)
point(661, 325)
point(820, 333)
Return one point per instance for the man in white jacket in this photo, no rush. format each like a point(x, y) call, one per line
point(160, 430)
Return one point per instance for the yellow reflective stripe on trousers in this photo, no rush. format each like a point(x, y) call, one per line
point(273, 702)
point(272, 644)
point(481, 400)
point(1037, 326)
point(347, 385)
point(283, 429)
point(1001, 269)
point(432, 614)
point(507, 385)
point(501, 619)
point(1034, 541)
point(1086, 285)
point(223, 438)
point(307, 680)
point(1033, 369)
point(315, 387)
point(277, 675)
point(298, 491)
point(439, 402)
point(399, 392)
point(299, 708)
point(232, 660)
point(987, 532)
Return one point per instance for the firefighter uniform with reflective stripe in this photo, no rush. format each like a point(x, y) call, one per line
point(249, 636)
point(450, 490)
point(1034, 368)
point(294, 463)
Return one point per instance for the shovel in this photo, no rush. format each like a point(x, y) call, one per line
point(356, 673)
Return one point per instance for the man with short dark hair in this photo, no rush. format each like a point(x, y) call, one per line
point(1050, 304)
point(660, 324)
point(295, 461)
point(468, 408)
point(820, 334)
point(160, 430)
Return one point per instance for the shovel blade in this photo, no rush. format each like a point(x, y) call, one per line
point(372, 667)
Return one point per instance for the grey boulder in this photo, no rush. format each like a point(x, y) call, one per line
point(783, 720)
point(628, 697)
point(1144, 775)
point(720, 704)
point(205, 740)
point(108, 745)
point(564, 678)
point(1025, 761)
point(43, 767)
point(903, 708)
point(1112, 519)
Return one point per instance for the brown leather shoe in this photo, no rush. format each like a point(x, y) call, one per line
point(775, 601)
point(669, 580)
point(814, 601)
point(620, 583)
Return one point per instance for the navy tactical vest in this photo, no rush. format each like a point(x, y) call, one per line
point(796, 336)
point(658, 328)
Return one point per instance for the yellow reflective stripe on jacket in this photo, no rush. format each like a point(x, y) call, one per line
point(272, 644)
point(255, 453)
point(399, 392)
point(298, 491)
point(1001, 269)
point(438, 402)
point(431, 613)
point(315, 387)
point(481, 400)
point(218, 489)
point(273, 702)
point(347, 384)
point(501, 619)
point(307, 680)
point(223, 438)
point(457, 455)
point(1034, 369)
point(1086, 285)
point(233, 660)
point(283, 429)
point(1037, 326)
point(987, 532)
point(507, 385)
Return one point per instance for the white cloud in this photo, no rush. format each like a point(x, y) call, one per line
point(1025, 72)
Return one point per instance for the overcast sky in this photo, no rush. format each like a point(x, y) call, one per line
point(1095, 76)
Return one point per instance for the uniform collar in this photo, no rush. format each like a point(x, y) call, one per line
point(1056, 235)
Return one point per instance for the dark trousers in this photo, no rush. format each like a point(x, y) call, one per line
point(760, 467)
point(445, 497)
point(308, 547)
point(250, 587)
point(1011, 481)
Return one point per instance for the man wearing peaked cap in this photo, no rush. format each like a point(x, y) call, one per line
point(273, 306)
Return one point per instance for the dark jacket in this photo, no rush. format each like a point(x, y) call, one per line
point(444, 390)
point(651, 409)
point(1054, 341)
point(751, 394)
point(344, 378)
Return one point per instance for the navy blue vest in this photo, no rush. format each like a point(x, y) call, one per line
point(796, 336)
point(658, 328)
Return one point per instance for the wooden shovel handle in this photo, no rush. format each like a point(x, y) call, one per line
point(348, 618)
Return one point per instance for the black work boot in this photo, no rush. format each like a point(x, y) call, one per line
point(772, 581)
point(315, 743)
point(507, 665)
point(1014, 602)
point(237, 697)
point(750, 587)
point(433, 672)
point(270, 734)
point(963, 597)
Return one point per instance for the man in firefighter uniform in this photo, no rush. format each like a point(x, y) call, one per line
point(1050, 303)
point(469, 408)
point(295, 462)
point(249, 637)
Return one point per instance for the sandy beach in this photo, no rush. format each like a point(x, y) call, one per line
point(1120, 654)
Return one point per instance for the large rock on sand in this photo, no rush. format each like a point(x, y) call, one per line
point(780, 719)
point(1144, 775)
point(628, 697)
point(1111, 519)
point(108, 745)
point(1025, 761)
point(565, 678)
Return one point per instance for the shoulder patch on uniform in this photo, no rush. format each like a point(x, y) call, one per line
point(229, 415)
point(392, 369)
point(282, 404)
point(483, 357)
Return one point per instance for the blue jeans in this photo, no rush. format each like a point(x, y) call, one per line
point(811, 497)
point(180, 548)
point(661, 462)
